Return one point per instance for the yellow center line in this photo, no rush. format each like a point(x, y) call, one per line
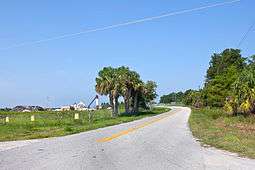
point(125, 132)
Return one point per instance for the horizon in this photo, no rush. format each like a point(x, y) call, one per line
point(174, 51)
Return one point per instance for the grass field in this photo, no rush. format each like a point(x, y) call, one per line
point(51, 124)
point(232, 133)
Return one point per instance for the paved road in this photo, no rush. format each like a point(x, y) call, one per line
point(160, 142)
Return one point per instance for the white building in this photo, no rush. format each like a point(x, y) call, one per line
point(76, 106)
point(65, 108)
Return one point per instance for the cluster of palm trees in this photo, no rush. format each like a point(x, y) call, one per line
point(123, 82)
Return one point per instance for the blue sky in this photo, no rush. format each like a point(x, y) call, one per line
point(173, 51)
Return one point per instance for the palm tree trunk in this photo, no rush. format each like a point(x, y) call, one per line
point(127, 100)
point(116, 106)
point(136, 103)
point(112, 104)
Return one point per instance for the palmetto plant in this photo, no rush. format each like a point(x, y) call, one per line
point(243, 96)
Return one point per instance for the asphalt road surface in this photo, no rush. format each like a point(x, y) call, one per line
point(160, 142)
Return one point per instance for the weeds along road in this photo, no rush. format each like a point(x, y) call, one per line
point(159, 142)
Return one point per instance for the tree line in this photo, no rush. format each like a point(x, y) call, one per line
point(176, 97)
point(229, 83)
point(126, 83)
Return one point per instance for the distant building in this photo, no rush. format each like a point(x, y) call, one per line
point(57, 110)
point(76, 106)
point(66, 108)
point(27, 108)
point(80, 106)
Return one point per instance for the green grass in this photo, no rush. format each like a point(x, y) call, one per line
point(52, 124)
point(232, 133)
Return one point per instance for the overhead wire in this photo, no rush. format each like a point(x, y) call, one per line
point(120, 25)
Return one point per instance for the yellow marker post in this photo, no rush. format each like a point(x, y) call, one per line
point(7, 120)
point(76, 116)
point(32, 118)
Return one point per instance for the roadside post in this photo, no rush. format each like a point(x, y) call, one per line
point(7, 120)
point(76, 116)
point(32, 118)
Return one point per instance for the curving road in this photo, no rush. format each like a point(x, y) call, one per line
point(160, 142)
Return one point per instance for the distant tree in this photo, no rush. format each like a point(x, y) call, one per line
point(166, 99)
point(179, 97)
point(223, 71)
point(193, 98)
point(187, 97)
point(172, 97)
point(150, 91)
point(149, 94)
point(221, 62)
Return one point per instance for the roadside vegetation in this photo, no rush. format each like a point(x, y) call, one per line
point(224, 108)
point(51, 124)
point(233, 133)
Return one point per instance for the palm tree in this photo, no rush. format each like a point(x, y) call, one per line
point(116, 91)
point(116, 82)
point(104, 84)
point(129, 83)
point(138, 90)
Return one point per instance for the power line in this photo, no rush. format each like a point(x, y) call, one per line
point(246, 35)
point(121, 24)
